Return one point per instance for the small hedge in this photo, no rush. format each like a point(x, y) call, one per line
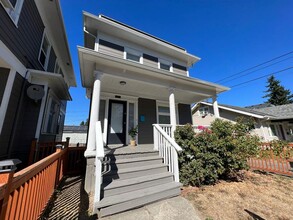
point(219, 152)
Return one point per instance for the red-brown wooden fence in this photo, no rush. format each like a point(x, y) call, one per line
point(270, 162)
point(25, 194)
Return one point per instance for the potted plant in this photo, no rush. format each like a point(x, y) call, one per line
point(132, 133)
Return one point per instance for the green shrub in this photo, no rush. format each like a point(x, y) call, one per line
point(218, 152)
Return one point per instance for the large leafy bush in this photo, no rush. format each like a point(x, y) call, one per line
point(218, 152)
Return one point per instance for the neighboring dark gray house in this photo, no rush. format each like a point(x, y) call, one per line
point(35, 75)
point(77, 134)
point(271, 122)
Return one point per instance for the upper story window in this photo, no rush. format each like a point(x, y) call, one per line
point(44, 52)
point(52, 114)
point(13, 8)
point(133, 55)
point(165, 65)
point(203, 111)
point(57, 67)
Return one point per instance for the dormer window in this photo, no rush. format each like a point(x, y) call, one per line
point(165, 65)
point(133, 55)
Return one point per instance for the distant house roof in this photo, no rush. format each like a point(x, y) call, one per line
point(281, 112)
point(75, 129)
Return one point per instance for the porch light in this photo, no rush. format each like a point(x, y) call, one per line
point(122, 83)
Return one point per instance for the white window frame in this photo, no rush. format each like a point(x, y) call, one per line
point(165, 62)
point(47, 54)
point(53, 129)
point(58, 71)
point(203, 111)
point(13, 12)
point(166, 104)
point(133, 52)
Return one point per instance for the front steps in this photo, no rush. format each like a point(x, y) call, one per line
point(133, 180)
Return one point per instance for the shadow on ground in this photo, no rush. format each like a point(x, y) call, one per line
point(70, 201)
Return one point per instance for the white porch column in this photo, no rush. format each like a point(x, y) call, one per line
point(94, 115)
point(215, 107)
point(172, 110)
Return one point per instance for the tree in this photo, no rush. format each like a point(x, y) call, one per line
point(276, 93)
point(81, 123)
point(86, 122)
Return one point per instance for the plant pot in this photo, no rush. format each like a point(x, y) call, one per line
point(133, 143)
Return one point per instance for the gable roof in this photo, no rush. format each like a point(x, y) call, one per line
point(240, 110)
point(280, 111)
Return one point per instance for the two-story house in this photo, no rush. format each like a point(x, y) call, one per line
point(36, 72)
point(133, 78)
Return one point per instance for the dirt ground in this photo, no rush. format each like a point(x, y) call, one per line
point(260, 196)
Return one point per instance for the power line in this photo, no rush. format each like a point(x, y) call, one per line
point(246, 74)
point(254, 66)
point(261, 77)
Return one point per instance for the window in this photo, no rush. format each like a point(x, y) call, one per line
point(57, 67)
point(133, 55)
point(52, 116)
point(273, 130)
point(13, 8)
point(165, 65)
point(44, 52)
point(163, 115)
point(203, 111)
point(131, 116)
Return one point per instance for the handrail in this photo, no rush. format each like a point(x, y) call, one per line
point(169, 139)
point(100, 153)
point(168, 149)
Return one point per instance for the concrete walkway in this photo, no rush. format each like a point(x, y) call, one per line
point(72, 202)
point(176, 208)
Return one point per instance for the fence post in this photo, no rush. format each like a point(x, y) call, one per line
point(66, 157)
point(59, 148)
point(67, 141)
point(7, 169)
point(32, 151)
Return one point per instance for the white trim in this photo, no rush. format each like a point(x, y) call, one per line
point(13, 12)
point(45, 66)
point(41, 113)
point(6, 97)
point(12, 61)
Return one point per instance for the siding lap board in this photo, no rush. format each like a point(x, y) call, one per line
point(23, 41)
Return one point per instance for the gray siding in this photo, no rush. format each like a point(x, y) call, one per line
point(146, 108)
point(4, 73)
point(150, 61)
point(179, 69)
point(20, 123)
point(111, 49)
point(24, 41)
point(52, 60)
point(184, 111)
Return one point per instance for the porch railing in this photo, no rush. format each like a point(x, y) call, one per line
point(100, 154)
point(24, 195)
point(167, 128)
point(168, 149)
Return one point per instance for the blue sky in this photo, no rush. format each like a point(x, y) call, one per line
point(228, 35)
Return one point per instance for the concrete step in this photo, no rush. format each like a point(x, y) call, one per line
point(133, 172)
point(135, 162)
point(128, 185)
point(125, 201)
point(131, 155)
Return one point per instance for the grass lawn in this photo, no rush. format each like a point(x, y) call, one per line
point(260, 196)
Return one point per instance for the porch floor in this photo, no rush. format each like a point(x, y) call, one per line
point(120, 149)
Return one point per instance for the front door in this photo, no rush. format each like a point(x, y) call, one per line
point(117, 122)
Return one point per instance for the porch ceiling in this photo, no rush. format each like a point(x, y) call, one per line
point(141, 80)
